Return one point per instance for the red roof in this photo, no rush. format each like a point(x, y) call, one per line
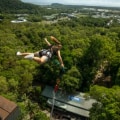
point(3, 114)
point(6, 107)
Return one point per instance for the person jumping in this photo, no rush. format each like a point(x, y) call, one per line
point(44, 55)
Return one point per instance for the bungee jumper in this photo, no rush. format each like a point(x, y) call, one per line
point(45, 55)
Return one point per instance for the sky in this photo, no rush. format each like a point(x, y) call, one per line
point(112, 3)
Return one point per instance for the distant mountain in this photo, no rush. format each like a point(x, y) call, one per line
point(82, 6)
point(16, 6)
point(57, 4)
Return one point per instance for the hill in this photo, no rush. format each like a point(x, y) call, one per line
point(16, 6)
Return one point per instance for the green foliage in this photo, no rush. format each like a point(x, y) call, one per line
point(108, 105)
point(3, 85)
point(71, 80)
point(40, 116)
point(17, 6)
point(87, 43)
point(13, 85)
point(34, 18)
point(23, 111)
point(117, 80)
point(101, 48)
point(114, 68)
point(93, 22)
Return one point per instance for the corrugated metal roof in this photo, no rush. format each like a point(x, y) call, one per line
point(74, 103)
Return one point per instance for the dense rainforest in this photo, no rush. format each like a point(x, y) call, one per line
point(91, 55)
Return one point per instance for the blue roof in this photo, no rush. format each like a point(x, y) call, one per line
point(74, 103)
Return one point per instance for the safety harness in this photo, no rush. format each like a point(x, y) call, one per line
point(47, 52)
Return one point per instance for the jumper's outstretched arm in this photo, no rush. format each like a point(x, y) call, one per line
point(48, 43)
point(55, 39)
point(60, 58)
